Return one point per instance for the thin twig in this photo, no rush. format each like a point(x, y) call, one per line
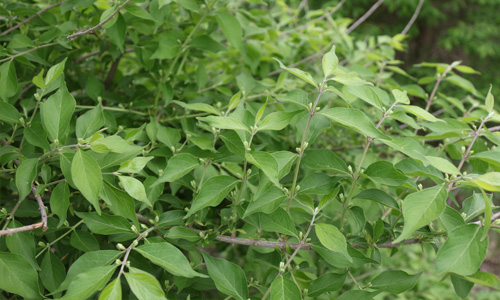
point(354, 279)
point(493, 218)
point(41, 207)
point(28, 51)
point(10, 231)
point(365, 16)
point(132, 245)
point(413, 18)
point(92, 29)
point(30, 18)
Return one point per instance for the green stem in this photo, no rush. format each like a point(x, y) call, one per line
point(113, 109)
point(59, 238)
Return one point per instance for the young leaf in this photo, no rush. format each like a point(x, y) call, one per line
point(259, 114)
point(235, 101)
point(490, 101)
point(134, 188)
point(56, 113)
point(463, 252)
point(283, 288)
point(330, 62)
point(421, 208)
point(135, 165)
point(105, 224)
point(212, 193)
point(25, 174)
point(400, 96)
point(395, 282)
point(168, 257)
point(229, 278)
point(224, 123)
point(354, 119)
point(59, 201)
point(113, 291)
point(299, 73)
point(54, 72)
point(486, 279)
point(331, 237)
point(178, 166)
point(86, 175)
point(421, 113)
point(18, 276)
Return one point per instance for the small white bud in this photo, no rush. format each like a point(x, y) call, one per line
point(349, 167)
point(119, 246)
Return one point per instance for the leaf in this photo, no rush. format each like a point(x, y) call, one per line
point(22, 243)
point(486, 279)
point(90, 122)
point(139, 12)
point(395, 282)
point(18, 276)
point(144, 285)
point(451, 219)
point(443, 165)
point(59, 201)
point(177, 167)
point(384, 172)
point(489, 181)
point(229, 278)
point(119, 202)
point(25, 174)
point(489, 101)
point(235, 101)
point(420, 112)
point(324, 159)
point(87, 283)
point(357, 295)
point(134, 188)
point(224, 123)
point(113, 143)
point(298, 97)
point(268, 201)
point(86, 175)
point(408, 146)
point(168, 257)
point(370, 94)
point(8, 80)
point(491, 157)
point(378, 196)
point(117, 32)
point(105, 224)
point(278, 221)
point(56, 113)
point(135, 165)
point(212, 192)
point(283, 288)
point(36, 136)
point(233, 142)
point(330, 62)
point(461, 285)
point(84, 241)
point(168, 47)
point(53, 271)
point(421, 208)
point(350, 79)
point(400, 96)
point(473, 206)
point(354, 119)
point(328, 282)
point(277, 120)
point(231, 29)
point(463, 83)
point(299, 73)
point(265, 162)
point(113, 291)
point(199, 107)
point(9, 113)
point(331, 237)
point(55, 71)
point(463, 252)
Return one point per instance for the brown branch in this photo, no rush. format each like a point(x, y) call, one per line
point(413, 18)
point(112, 72)
point(30, 18)
point(28, 51)
point(365, 16)
point(10, 231)
point(92, 29)
point(493, 218)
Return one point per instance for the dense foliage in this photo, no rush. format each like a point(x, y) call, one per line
point(242, 149)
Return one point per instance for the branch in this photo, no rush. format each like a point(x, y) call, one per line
point(10, 231)
point(413, 18)
point(493, 218)
point(364, 17)
point(41, 207)
point(28, 51)
point(92, 29)
point(30, 18)
point(132, 245)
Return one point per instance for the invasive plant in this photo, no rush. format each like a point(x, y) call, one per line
point(167, 159)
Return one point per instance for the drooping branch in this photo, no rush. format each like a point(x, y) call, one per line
point(365, 16)
point(413, 18)
point(30, 18)
point(92, 29)
point(10, 231)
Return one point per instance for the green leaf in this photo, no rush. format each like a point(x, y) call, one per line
point(443, 165)
point(298, 97)
point(113, 143)
point(90, 122)
point(233, 142)
point(331, 237)
point(86, 175)
point(383, 172)
point(84, 241)
point(491, 157)
point(461, 285)
point(400, 96)
point(212, 192)
point(22, 243)
point(350, 79)
point(490, 101)
point(408, 146)
point(105, 224)
point(25, 174)
point(260, 112)
point(357, 295)
point(134, 188)
point(370, 94)
point(87, 283)
point(135, 165)
point(421, 208)
point(36, 135)
point(168, 257)
point(378, 196)
point(463, 252)
point(486, 279)
point(283, 288)
point(224, 123)
point(328, 282)
point(299, 73)
point(451, 218)
point(265, 162)
point(278, 221)
point(199, 107)
point(354, 119)
point(18, 276)
point(59, 201)
point(229, 278)
point(330, 62)
point(231, 29)
point(420, 113)
point(55, 71)
point(139, 12)
point(113, 291)
point(8, 80)
point(144, 285)
point(395, 282)
point(177, 167)
point(119, 202)
point(466, 70)
point(324, 159)
point(268, 201)
point(9, 113)
point(56, 113)
point(489, 181)
point(118, 31)
point(463, 83)
point(168, 47)
point(235, 101)
point(53, 271)
point(277, 120)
